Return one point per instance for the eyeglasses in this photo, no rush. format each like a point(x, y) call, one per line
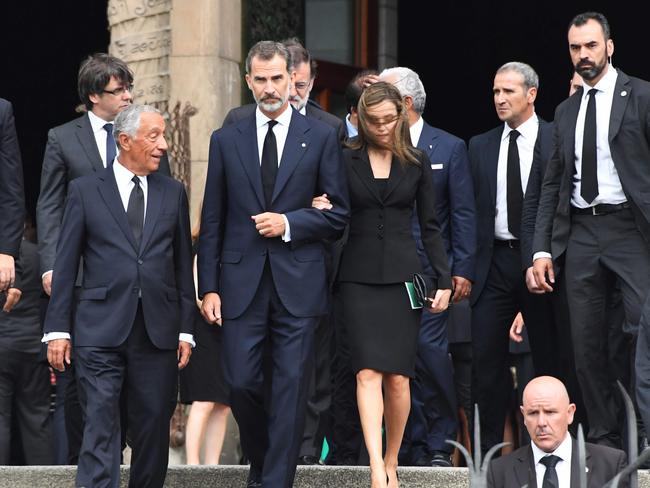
point(301, 85)
point(118, 92)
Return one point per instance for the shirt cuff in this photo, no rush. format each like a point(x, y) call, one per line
point(47, 272)
point(286, 237)
point(542, 254)
point(189, 338)
point(50, 336)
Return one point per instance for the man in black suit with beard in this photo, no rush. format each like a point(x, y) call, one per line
point(594, 212)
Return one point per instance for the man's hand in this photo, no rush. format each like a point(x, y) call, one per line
point(462, 288)
point(516, 328)
point(542, 267)
point(440, 301)
point(211, 308)
point(269, 224)
point(13, 297)
point(58, 353)
point(47, 283)
point(7, 271)
point(531, 283)
point(183, 354)
point(321, 202)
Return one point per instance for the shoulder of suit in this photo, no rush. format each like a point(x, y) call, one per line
point(4, 104)
point(71, 125)
point(604, 451)
point(324, 116)
point(509, 459)
point(443, 134)
point(479, 138)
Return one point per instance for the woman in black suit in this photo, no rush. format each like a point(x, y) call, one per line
point(387, 178)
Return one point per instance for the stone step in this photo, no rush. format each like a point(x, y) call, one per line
point(235, 477)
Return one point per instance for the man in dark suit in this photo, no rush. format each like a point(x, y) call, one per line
point(595, 215)
point(261, 261)
point(303, 67)
point(132, 322)
point(12, 198)
point(77, 148)
point(551, 459)
point(433, 417)
point(501, 160)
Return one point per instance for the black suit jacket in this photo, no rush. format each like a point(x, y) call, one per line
point(380, 247)
point(629, 142)
point(484, 157)
point(517, 469)
point(12, 197)
point(117, 271)
point(71, 152)
point(238, 113)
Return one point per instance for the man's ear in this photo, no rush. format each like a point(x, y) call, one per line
point(124, 142)
point(249, 81)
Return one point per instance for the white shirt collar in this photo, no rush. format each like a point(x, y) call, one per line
point(123, 176)
point(96, 122)
point(283, 119)
point(606, 84)
point(527, 130)
point(563, 451)
point(416, 131)
point(303, 110)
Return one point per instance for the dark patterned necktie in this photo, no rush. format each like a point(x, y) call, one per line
point(111, 148)
point(135, 210)
point(550, 475)
point(514, 195)
point(269, 163)
point(589, 176)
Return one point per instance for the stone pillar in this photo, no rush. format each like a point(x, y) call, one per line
point(387, 34)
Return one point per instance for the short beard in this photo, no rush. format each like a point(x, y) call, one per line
point(590, 71)
point(271, 106)
point(298, 102)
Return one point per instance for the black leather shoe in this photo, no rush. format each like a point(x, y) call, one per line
point(440, 459)
point(254, 478)
point(308, 460)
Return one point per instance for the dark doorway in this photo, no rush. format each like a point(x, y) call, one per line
point(456, 47)
point(41, 46)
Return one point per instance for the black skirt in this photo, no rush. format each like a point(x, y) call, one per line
point(381, 326)
point(203, 380)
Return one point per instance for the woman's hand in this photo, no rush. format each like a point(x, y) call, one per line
point(440, 301)
point(321, 202)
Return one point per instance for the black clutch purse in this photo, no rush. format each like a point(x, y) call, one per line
point(424, 288)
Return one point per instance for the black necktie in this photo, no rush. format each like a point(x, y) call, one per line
point(269, 163)
point(589, 177)
point(111, 149)
point(550, 475)
point(135, 210)
point(514, 195)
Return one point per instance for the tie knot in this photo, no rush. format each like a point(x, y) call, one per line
point(592, 92)
point(136, 180)
point(550, 461)
point(108, 128)
point(513, 135)
point(272, 123)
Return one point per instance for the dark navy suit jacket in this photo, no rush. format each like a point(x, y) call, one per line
point(116, 271)
point(455, 206)
point(12, 198)
point(232, 255)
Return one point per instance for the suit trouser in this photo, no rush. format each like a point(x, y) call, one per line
point(598, 246)
point(433, 397)
point(269, 436)
point(25, 394)
point(503, 296)
point(149, 376)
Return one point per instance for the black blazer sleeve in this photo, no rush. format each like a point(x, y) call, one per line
point(12, 197)
point(529, 213)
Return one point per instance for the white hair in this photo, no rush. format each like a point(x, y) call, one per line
point(128, 120)
point(408, 83)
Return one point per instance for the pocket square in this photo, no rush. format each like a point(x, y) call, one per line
point(437, 166)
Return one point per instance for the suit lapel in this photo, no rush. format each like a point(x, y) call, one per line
point(619, 104)
point(111, 196)
point(295, 148)
point(428, 141)
point(397, 172)
point(569, 130)
point(525, 469)
point(87, 141)
point(492, 162)
point(575, 468)
point(155, 193)
point(248, 154)
point(361, 166)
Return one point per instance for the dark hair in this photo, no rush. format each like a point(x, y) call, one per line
point(300, 54)
point(355, 88)
point(96, 72)
point(583, 18)
point(401, 144)
point(266, 50)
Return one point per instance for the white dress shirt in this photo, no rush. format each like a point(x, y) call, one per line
point(416, 131)
point(125, 184)
point(526, 147)
point(562, 468)
point(280, 130)
point(610, 189)
point(100, 134)
point(352, 130)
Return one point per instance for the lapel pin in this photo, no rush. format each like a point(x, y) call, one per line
point(623, 93)
point(430, 146)
point(304, 144)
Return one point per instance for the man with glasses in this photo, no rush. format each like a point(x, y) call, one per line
point(78, 148)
